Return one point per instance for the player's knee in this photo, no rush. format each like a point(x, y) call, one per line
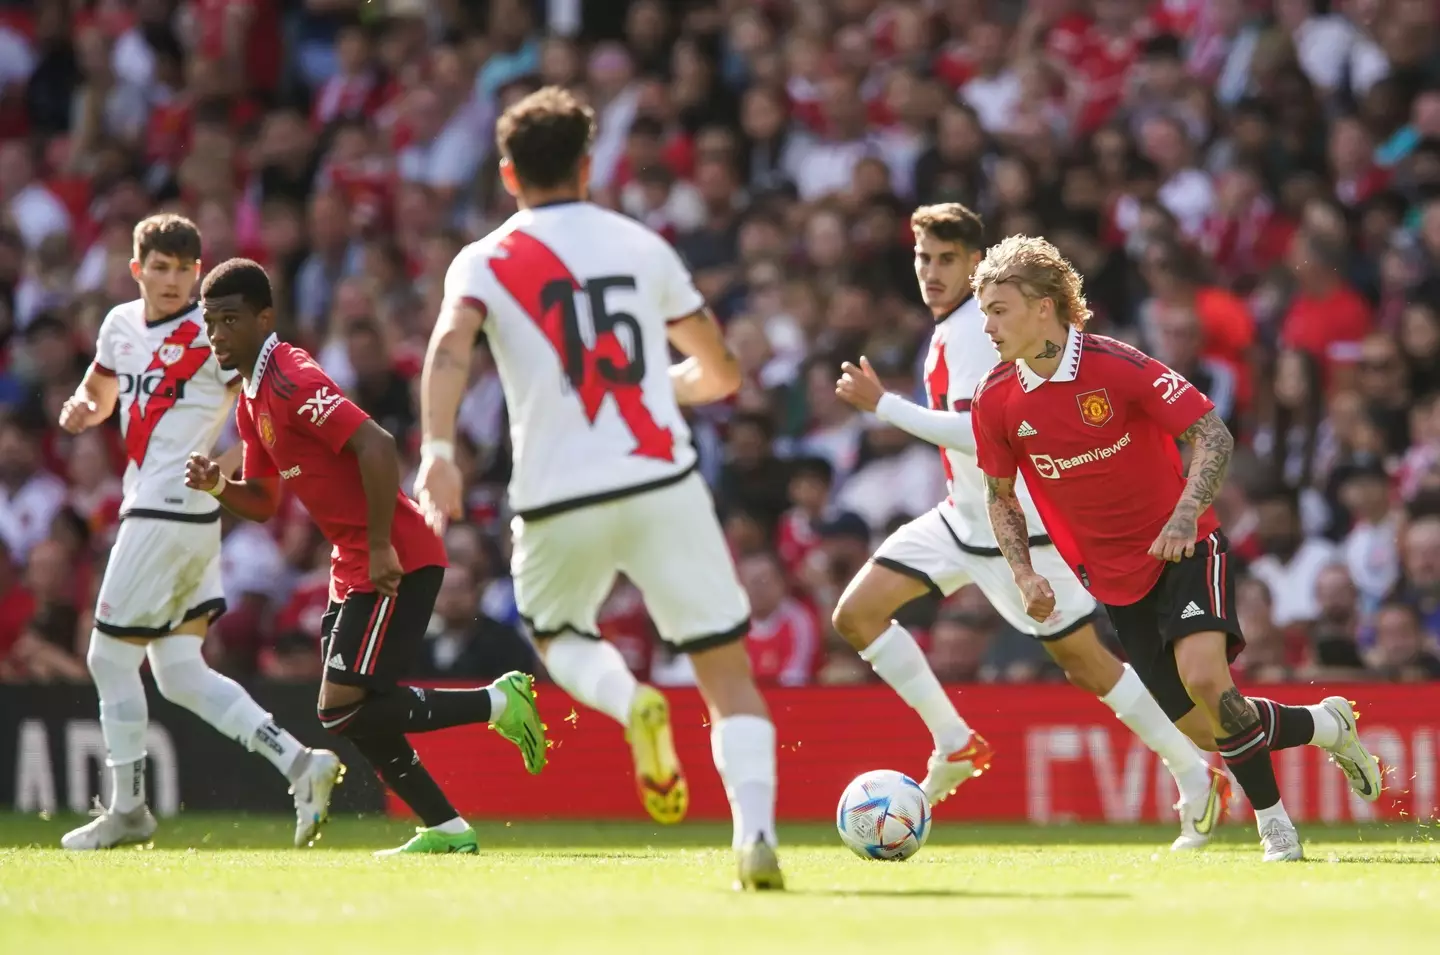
point(857, 621)
point(1206, 684)
point(180, 670)
point(338, 707)
point(111, 661)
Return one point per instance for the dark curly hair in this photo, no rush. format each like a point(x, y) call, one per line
point(545, 135)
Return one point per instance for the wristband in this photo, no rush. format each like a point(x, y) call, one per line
point(219, 488)
point(434, 448)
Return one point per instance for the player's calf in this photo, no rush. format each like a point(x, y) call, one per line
point(742, 741)
point(863, 618)
point(1240, 737)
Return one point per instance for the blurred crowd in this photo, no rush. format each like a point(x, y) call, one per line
point(1251, 190)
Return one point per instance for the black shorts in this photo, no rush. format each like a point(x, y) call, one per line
point(369, 640)
point(1195, 595)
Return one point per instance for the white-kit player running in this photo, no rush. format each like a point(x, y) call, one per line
point(162, 585)
point(580, 307)
point(953, 544)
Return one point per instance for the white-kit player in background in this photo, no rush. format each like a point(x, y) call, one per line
point(952, 545)
point(162, 586)
point(580, 307)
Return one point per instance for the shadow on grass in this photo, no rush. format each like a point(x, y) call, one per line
point(234, 831)
point(902, 893)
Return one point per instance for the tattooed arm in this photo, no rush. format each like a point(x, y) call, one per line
point(1212, 447)
point(447, 367)
point(1012, 534)
point(438, 486)
point(1008, 520)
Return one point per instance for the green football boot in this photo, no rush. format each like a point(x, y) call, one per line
point(435, 842)
point(520, 721)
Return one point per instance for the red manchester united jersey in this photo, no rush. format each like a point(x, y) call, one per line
point(294, 422)
point(1096, 443)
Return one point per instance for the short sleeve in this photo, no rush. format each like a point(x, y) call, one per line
point(105, 347)
point(257, 461)
point(462, 283)
point(679, 298)
point(992, 444)
point(317, 409)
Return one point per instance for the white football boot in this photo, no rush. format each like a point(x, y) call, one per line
point(758, 867)
point(1280, 841)
point(111, 829)
point(312, 794)
point(1198, 819)
point(946, 771)
point(1358, 764)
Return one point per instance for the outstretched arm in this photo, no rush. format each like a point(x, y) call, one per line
point(945, 429)
point(1212, 447)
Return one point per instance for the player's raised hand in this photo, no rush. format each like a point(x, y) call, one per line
point(77, 414)
point(860, 386)
point(1176, 540)
point(1038, 594)
point(437, 489)
point(385, 570)
point(201, 473)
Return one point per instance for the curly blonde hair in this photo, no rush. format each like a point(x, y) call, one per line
point(1038, 270)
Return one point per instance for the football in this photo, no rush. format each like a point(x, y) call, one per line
point(883, 815)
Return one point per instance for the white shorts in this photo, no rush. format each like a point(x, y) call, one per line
point(161, 574)
point(929, 551)
point(667, 541)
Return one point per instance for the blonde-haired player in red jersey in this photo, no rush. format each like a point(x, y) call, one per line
point(580, 307)
point(162, 585)
point(952, 544)
point(1092, 425)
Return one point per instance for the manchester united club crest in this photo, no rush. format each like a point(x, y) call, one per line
point(169, 353)
point(1095, 409)
point(267, 430)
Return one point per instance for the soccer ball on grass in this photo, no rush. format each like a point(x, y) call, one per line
point(883, 815)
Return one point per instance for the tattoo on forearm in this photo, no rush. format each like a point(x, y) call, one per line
point(1049, 351)
point(1007, 518)
point(447, 360)
point(1213, 447)
point(1237, 714)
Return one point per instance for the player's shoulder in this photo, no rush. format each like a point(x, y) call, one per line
point(1112, 352)
point(291, 369)
point(126, 313)
point(996, 385)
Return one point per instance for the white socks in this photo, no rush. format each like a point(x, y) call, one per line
point(593, 672)
point(452, 827)
point(898, 660)
point(185, 678)
point(1327, 728)
point(497, 703)
point(1138, 710)
point(744, 751)
point(1276, 811)
point(115, 667)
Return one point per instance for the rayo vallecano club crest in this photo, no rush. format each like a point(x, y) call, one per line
point(169, 354)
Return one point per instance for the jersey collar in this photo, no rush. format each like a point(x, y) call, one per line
point(252, 387)
point(1069, 363)
point(956, 310)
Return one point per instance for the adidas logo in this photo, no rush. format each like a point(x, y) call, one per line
point(1192, 609)
point(1025, 431)
point(335, 663)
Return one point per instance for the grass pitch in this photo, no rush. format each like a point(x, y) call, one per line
point(226, 884)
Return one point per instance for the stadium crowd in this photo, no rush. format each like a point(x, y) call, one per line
point(1251, 190)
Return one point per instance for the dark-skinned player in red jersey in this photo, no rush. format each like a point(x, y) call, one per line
point(296, 425)
point(1092, 423)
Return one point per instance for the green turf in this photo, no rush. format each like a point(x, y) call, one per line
point(221, 884)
